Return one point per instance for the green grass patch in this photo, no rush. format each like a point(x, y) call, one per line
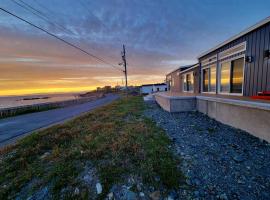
point(116, 138)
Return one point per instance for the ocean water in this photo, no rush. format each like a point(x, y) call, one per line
point(15, 101)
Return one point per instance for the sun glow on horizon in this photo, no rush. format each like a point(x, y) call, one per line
point(34, 91)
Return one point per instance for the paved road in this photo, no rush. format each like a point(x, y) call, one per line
point(15, 127)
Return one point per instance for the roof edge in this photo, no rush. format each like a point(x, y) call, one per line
point(251, 28)
point(189, 66)
point(187, 70)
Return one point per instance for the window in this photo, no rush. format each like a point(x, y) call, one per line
point(231, 76)
point(213, 75)
point(209, 78)
point(205, 80)
point(188, 82)
point(225, 77)
point(237, 75)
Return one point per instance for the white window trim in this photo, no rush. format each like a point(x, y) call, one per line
point(208, 67)
point(234, 52)
point(219, 75)
point(183, 86)
point(210, 60)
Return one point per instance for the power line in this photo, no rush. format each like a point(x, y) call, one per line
point(39, 14)
point(66, 42)
point(82, 3)
point(42, 6)
point(43, 17)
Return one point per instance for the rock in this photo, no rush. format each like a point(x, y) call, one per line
point(197, 194)
point(223, 196)
point(170, 198)
point(139, 186)
point(157, 178)
point(141, 194)
point(76, 191)
point(238, 158)
point(188, 182)
point(88, 179)
point(41, 194)
point(240, 181)
point(110, 196)
point(196, 182)
point(45, 155)
point(99, 188)
point(155, 195)
point(131, 195)
point(172, 195)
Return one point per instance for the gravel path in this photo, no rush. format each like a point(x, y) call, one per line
point(220, 162)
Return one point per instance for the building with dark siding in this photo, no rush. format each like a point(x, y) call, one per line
point(230, 83)
point(240, 65)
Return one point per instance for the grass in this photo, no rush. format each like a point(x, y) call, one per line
point(117, 139)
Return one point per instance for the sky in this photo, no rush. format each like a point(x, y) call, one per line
point(160, 35)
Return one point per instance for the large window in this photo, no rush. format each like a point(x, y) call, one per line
point(231, 76)
point(206, 80)
point(172, 82)
point(209, 78)
point(213, 79)
point(188, 81)
point(225, 77)
point(237, 75)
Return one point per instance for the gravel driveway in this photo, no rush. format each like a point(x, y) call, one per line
point(220, 162)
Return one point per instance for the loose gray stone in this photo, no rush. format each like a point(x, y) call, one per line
point(99, 188)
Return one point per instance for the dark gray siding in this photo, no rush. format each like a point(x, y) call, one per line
point(257, 73)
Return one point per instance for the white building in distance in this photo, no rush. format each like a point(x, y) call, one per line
point(152, 88)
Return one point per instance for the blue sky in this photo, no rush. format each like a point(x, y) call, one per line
point(160, 35)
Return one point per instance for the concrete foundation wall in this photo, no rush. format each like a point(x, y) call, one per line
point(163, 102)
point(176, 104)
point(251, 119)
point(183, 105)
point(249, 116)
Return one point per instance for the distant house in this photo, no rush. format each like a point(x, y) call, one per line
point(152, 88)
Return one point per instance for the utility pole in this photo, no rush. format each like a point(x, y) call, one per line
point(125, 65)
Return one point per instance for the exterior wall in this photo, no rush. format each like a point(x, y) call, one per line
point(256, 73)
point(251, 119)
point(159, 88)
point(177, 82)
point(196, 74)
point(146, 89)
